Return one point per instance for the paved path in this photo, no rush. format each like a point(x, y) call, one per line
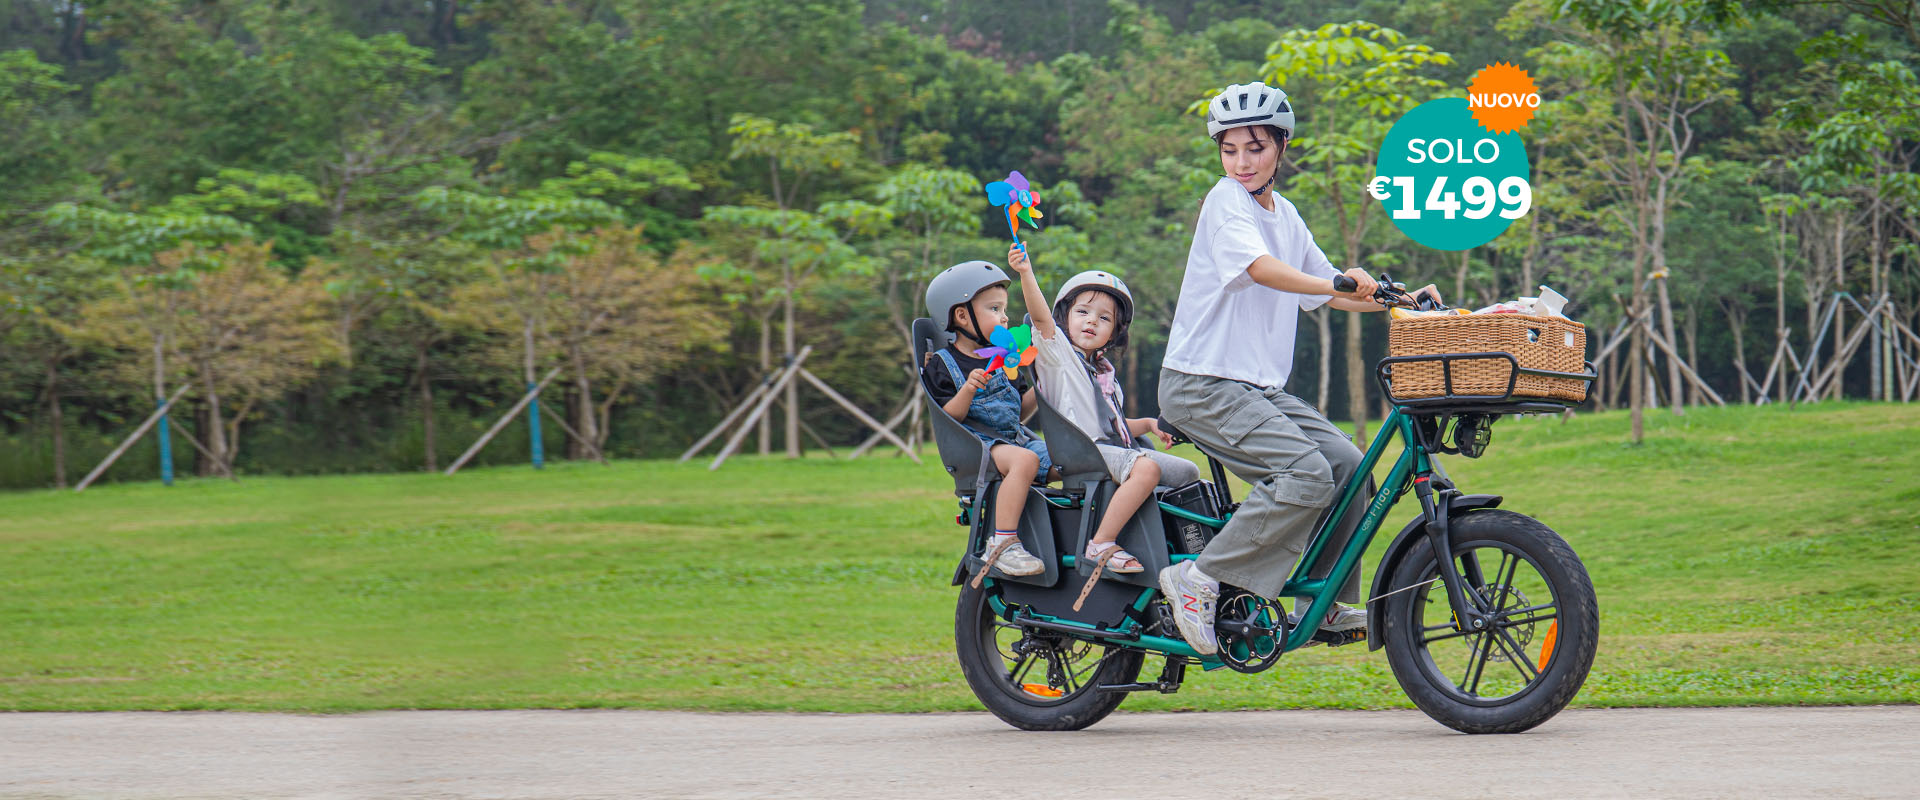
point(1691, 753)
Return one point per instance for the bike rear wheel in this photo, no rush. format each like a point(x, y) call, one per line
point(1036, 680)
point(1536, 652)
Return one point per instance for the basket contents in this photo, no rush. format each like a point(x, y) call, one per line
point(1534, 330)
point(1548, 304)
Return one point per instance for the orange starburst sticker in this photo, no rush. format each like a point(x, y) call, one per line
point(1502, 98)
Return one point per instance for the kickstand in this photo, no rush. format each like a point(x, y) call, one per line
point(1170, 677)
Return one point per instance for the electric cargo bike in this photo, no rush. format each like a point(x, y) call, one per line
point(1496, 636)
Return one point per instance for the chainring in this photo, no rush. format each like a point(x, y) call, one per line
point(1251, 630)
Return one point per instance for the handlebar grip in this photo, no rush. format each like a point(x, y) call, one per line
point(1342, 283)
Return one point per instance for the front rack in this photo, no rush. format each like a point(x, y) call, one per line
point(1503, 403)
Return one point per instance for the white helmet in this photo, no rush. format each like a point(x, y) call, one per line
point(1249, 104)
point(1103, 281)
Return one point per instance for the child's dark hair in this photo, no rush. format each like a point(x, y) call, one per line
point(1115, 343)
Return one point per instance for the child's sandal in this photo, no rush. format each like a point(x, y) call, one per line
point(1118, 561)
point(1103, 555)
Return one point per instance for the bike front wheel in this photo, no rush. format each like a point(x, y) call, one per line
point(1538, 647)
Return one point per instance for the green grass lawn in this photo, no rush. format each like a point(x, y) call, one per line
point(1742, 556)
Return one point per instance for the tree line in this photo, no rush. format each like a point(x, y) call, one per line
point(352, 233)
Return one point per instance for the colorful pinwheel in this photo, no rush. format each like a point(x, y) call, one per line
point(1007, 342)
point(1018, 198)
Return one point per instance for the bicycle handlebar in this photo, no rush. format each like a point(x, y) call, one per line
point(1389, 293)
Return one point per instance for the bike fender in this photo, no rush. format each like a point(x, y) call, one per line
point(1398, 549)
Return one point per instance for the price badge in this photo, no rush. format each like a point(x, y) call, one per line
point(1453, 173)
point(1448, 183)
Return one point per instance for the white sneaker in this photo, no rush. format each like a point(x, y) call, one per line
point(1344, 618)
point(1015, 560)
point(1192, 600)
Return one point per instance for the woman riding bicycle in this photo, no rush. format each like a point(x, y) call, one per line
point(1252, 267)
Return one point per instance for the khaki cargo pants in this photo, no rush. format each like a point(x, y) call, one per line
point(1295, 461)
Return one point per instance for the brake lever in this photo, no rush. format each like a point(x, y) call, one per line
point(1405, 299)
point(1390, 293)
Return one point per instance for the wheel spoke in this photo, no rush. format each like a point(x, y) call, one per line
point(1477, 664)
point(1509, 564)
point(1445, 636)
point(1516, 623)
point(1526, 610)
point(1516, 655)
point(1488, 593)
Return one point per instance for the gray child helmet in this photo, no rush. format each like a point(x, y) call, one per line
point(1098, 280)
point(957, 285)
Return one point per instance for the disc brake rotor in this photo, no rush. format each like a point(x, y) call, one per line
point(1511, 598)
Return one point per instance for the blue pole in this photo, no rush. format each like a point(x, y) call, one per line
point(1013, 233)
point(533, 427)
point(166, 446)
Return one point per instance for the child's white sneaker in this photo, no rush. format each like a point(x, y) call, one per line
point(1015, 560)
point(1192, 599)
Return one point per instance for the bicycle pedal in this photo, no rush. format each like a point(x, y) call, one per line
point(1340, 638)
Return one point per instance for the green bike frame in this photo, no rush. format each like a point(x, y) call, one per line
point(1414, 463)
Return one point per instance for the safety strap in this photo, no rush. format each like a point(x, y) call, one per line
point(1098, 567)
point(1110, 421)
point(993, 555)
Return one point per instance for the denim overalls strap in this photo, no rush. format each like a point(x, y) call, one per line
point(953, 367)
point(995, 409)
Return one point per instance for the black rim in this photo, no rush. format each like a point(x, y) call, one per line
point(1029, 665)
point(1503, 663)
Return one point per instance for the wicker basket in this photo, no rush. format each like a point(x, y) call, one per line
point(1545, 343)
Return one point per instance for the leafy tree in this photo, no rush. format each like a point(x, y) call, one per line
point(1645, 70)
point(931, 207)
point(194, 98)
point(159, 255)
point(622, 315)
point(798, 243)
point(526, 241)
point(41, 302)
point(1861, 123)
point(239, 329)
point(38, 162)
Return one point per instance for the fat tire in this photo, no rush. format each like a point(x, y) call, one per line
point(980, 663)
point(1578, 636)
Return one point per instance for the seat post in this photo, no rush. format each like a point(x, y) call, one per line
point(1220, 485)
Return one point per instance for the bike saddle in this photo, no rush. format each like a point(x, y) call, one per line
point(1178, 437)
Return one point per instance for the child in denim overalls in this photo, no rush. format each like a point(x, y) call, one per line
point(971, 299)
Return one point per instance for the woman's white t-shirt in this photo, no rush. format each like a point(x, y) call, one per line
point(1226, 325)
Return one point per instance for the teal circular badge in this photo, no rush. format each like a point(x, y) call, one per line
point(1448, 183)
